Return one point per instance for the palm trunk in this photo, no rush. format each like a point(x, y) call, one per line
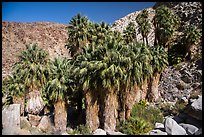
point(60, 116)
point(35, 102)
point(154, 94)
point(146, 41)
point(144, 89)
point(143, 39)
point(122, 103)
point(110, 111)
point(132, 97)
point(21, 101)
point(79, 106)
point(92, 109)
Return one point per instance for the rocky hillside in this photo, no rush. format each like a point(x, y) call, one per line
point(49, 36)
point(189, 12)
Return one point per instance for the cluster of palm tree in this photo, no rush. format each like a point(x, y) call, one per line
point(109, 68)
point(37, 82)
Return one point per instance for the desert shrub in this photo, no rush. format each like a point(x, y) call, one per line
point(172, 109)
point(150, 113)
point(143, 118)
point(134, 126)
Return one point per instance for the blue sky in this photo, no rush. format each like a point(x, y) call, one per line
point(62, 12)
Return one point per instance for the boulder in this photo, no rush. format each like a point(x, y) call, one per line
point(195, 109)
point(64, 133)
point(25, 124)
point(11, 119)
point(193, 121)
point(172, 128)
point(34, 119)
point(190, 129)
point(23, 132)
point(109, 132)
point(199, 132)
point(45, 124)
point(157, 132)
point(99, 132)
point(159, 125)
point(36, 131)
point(69, 130)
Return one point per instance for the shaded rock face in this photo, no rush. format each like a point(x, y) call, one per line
point(49, 36)
point(182, 82)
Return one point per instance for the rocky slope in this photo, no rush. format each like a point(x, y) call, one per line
point(49, 36)
point(189, 12)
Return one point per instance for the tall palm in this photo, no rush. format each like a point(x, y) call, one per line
point(30, 69)
point(190, 38)
point(57, 90)
point(159, 62)
point(13, 87)
point(77, 33)
point(144, 24)
point(165, 23)
point(134, 77)
point(129, 34)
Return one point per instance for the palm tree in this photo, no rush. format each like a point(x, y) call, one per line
point(13, 88)
point(77, 33)
point(57, 90)
point(129, 34)
point(147, 69)
point(189, 39)
point(30, 72)
point(159, 62)
point(144, 24)
point(134, 77)
point(165, 23)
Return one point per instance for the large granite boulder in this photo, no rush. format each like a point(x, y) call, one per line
point(195, 109)
point(99, 132)
point(34, 119)
point(25, 124)
point(11, 119)
point(190, 129)
point(45, 124)
point(172, 128)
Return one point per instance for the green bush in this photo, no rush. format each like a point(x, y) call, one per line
point(134, 126)
point(169, 109)
point(142, 120)
point(81, 129)
point(150, 113)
